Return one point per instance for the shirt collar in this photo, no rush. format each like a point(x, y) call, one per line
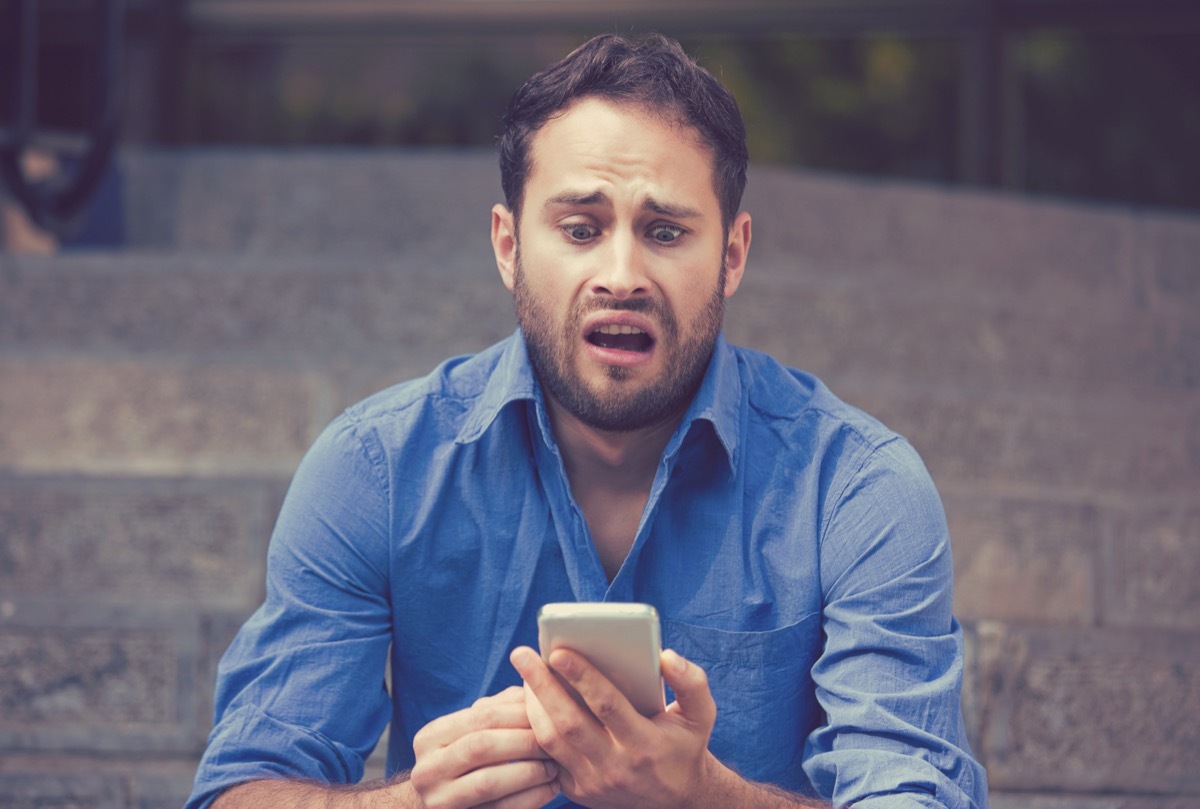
point(511, 380)
point(718, 400)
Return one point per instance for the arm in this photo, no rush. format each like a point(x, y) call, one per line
point(612, 756)
point(473, 757)
point(394, 794)
point(300, 692)
point(301, 699)
point(890, 674)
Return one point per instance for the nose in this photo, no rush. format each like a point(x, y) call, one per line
point(622, 273)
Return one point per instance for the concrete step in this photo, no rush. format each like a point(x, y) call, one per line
point(993, 243)
point(335, 201)
point(406, 312)
point(225, 365)
point(352, 203)
point(291, 310)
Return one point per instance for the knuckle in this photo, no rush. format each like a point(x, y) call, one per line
point(549, 739)
point(421, 740)
point(571, 731)
point(421, 778)
point(475, 747)
point(641, 762)
point(486, 715)
point(606, 708)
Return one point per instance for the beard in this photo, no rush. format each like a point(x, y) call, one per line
point(614, 406)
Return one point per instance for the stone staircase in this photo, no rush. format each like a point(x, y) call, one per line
point(1043, 356)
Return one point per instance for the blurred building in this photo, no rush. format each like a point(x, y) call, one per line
point(1079, 98)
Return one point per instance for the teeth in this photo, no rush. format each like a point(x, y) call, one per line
point(608, 329)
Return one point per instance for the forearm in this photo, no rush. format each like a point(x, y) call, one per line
point(726, 788)
point(394, 793)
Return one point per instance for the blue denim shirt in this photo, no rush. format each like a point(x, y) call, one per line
point(794, 547)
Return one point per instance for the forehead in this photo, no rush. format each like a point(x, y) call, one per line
point(597, 142)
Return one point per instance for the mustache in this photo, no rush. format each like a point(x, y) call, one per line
point(646, 305)
point(602, 303)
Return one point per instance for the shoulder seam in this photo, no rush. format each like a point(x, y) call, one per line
point(832, 507)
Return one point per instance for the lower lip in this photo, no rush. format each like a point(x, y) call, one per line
point(618, 357)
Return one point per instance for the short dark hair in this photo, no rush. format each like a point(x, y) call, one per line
point(653, 72)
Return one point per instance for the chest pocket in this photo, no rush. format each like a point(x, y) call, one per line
point(763, 687)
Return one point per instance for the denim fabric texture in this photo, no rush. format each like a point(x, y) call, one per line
point(794, 547)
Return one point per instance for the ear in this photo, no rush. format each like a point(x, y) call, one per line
point(737, 251)
point(504, 243)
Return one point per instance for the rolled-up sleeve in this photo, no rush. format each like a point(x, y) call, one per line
point(890, 676)
point(301, 692)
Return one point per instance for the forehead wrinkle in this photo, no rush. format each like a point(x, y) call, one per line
point(651, 204)
point(599, 166)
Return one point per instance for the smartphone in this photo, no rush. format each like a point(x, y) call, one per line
point(622, 640)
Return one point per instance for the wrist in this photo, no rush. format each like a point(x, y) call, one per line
point(719, 787)
point(402, 795)
point(716, 786)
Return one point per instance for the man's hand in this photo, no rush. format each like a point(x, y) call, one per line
point(483, 756)
point(613, 756)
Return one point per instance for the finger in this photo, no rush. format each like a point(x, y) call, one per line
point(539, 720)
point(604, 699)
point(514, 693)
point(544, 728)
point(537, 675)
point(532, 798)
point(490, 714)
point(487, 747)
point(567, 723)
point(500, 782)
point(693, 699)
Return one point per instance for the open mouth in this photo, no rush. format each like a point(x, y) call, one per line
point(620, 338)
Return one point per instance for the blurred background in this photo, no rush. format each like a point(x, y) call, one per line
point(1094, 99)
point(223, 221)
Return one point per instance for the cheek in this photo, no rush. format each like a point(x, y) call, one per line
point(691, 300)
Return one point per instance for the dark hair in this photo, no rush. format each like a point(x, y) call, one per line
point(653, 72)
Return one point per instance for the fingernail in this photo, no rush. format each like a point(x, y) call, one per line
point(551, 769)
point(677, 663)
point(519, 657)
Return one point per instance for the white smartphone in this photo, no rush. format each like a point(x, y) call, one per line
point(621, 640)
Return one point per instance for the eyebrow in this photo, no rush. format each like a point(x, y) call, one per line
point(668, 209)
point(569, 198)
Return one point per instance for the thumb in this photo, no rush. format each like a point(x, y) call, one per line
point(693, 700)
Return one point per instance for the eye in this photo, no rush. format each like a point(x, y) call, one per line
point(580, 231)
point(666, 234)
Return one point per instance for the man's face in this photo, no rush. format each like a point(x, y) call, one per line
point(619, 268)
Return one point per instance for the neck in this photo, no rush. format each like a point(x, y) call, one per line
point(595, 458)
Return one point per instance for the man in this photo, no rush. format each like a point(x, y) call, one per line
point(616, 448)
